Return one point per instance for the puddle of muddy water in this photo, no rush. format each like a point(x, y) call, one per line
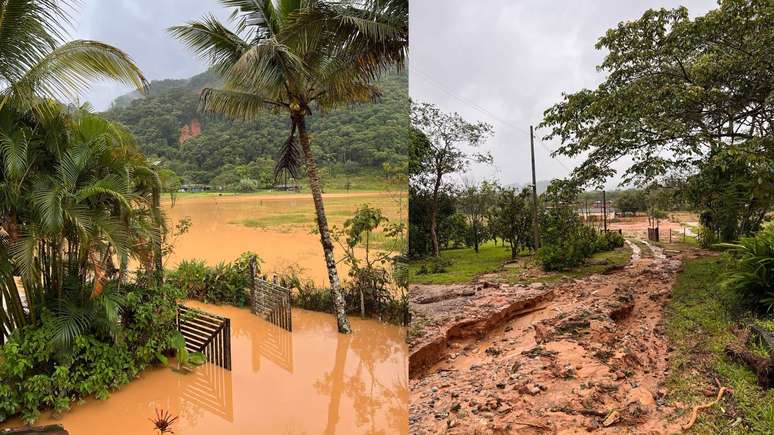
point(311, 381)
point(276, 227)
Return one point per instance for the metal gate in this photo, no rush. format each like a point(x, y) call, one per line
point(269, 300)
point(206, 333)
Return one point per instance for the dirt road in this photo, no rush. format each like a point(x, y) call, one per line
point(589, 354)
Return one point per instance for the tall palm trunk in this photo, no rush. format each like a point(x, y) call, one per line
point(158, 264)
point(322, 223)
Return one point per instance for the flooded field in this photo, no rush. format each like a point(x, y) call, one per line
point(275, 226)
point(313, 381)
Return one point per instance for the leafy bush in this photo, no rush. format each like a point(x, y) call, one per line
point(434, 265)
point(312, 298)
point(39, 374)
point(225, 283)
point(707, 237)
point(753, 273)
point(609, 241)
point(578, 245)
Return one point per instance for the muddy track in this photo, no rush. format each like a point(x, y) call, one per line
point(590, 355)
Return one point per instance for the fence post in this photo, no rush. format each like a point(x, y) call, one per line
point(253, 266)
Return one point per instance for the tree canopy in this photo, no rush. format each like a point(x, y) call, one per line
point(678, 91)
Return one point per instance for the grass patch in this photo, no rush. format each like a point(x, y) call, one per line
point(597, 263)
point(699, 317)
point(466, 264)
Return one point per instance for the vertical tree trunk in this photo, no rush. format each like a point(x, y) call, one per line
point(158, 264)
point(434, 216)
point(322, 225)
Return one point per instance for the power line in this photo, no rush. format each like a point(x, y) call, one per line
point(477, 107)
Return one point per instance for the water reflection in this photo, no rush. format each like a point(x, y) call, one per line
point(211, 390)
point(311, 381)
point(274, 344)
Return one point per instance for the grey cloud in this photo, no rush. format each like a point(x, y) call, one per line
point(138, 27)
point(514, 59)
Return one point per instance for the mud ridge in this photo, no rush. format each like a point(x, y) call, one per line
point(435, 350)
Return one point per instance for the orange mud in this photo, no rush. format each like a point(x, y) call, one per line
point(590, 356)
point(638, 226)
point(218, 232)
point(311, 381)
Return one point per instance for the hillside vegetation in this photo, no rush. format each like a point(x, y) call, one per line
point(211, 149)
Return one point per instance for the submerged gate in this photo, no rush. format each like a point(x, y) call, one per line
point(206, 333)
point(269, 300)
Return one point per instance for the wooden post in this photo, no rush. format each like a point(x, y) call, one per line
point(604, 209)
point(535, 229)
point(252, 267)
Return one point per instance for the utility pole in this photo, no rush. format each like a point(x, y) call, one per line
point(604, 208)
point(535, 229)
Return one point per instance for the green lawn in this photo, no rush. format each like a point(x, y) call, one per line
point(699, 317)
point(466, 264)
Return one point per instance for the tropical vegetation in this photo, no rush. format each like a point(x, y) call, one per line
point(291, 57)
point(78, 202)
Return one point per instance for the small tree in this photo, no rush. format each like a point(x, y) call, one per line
point(512, 217)
point(474, 202)
point(445, 133)
point(631, 201)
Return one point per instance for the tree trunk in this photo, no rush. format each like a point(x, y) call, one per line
point(158, 264)
point(434, 216)
point(322, 225)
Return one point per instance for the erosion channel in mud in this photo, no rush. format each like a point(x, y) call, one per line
point(277, 227)
point(311, 381)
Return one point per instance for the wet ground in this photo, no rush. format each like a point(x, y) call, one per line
point(310, 381)
point(576, 356)
point(278, 227)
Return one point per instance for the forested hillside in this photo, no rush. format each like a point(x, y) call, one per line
point(215, 150)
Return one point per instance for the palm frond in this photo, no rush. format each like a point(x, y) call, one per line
point(290, 157)
point(269, 67)
point(239, 105)
point(67, 70)
point(13, 149)
point(28, 30)
point(213, 41)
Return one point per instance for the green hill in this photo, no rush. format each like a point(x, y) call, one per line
point(215, 150)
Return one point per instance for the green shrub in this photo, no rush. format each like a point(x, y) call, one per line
point(609, 241)
point(570, 251)
point(753, 271)
point(707, 237)
point(38, 374)
point(434, 265)
point(226, 283)
point(314, 299)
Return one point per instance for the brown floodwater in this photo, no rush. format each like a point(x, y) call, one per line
point(311, 381)
point(277, 227)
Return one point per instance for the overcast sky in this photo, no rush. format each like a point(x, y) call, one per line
point(138, 27)
point(506, 61)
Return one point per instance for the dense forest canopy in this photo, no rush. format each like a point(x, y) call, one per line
point(356, 137)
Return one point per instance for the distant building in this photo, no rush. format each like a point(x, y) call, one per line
point(287, 187)
point(192, 188)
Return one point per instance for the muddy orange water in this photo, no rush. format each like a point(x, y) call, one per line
point(277, 227)
point(310, 381)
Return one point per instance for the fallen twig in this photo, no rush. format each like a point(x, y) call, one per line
point(535, 425)
point(697, 408)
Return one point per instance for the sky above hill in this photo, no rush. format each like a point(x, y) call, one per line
point(505, 62)
point(138, 27)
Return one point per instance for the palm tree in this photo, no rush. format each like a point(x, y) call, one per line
point(82, 196)
point(63, 178)
point(293, 56)
point(37, 61)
